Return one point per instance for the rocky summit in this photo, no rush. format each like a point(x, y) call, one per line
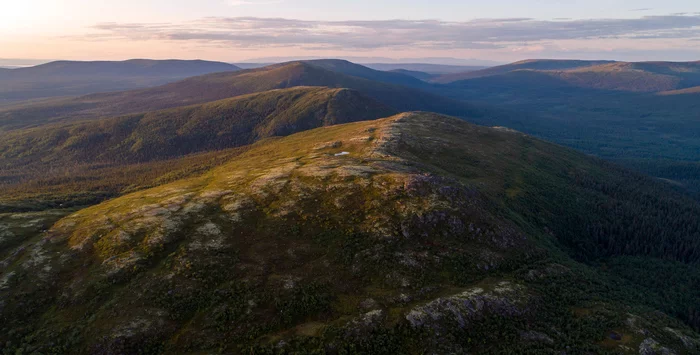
point(427, 235)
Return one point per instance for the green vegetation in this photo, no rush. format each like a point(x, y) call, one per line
point(207, 88)
point(618, 111)
point(603, 110)
point(176, 132)
point(81, 163)
point(431, 235)
point(87, 184)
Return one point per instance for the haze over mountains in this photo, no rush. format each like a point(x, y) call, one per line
point(644, 115)
point(69, 78)
point(604, 75)
point(336, 74)
point(321, 206)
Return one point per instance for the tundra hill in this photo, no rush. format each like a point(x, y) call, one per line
point(218, 86)
point(532, 64)
point(616, 76)
point(634, 77)
point(55, 156)
point(68, 78)
point(426, 235)
point(360, 71)
point(416, 74)
point(617, 111)
point(435, 69)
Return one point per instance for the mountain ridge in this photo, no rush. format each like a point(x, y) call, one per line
point(428, 233)
point(217, 86)
point(603, 75)
point(66, 161)
point(259, 115)
point(67, 78)
point(541, 64)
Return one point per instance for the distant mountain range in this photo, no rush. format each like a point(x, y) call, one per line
point(367, 60)
point(401, 92)
point(599, 75)
point(537, 64)
point(68, 78)
point(643, 115)
point(432, 69)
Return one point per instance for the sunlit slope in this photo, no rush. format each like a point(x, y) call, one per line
point(174, 132)
point(411, 234)
point(219, 86)
point(78, 162)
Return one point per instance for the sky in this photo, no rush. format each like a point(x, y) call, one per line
point(255, 30)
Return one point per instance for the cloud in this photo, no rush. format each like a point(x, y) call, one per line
point(253, 32)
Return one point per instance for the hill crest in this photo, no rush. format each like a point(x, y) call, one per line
point(219, 86)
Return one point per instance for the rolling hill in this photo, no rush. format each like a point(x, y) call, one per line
point(619, 111)
point(533, 64)
point(78, 159)
point(69, 78)
point(417, 233)
point(416, 74)
point(361, 71)
point(216, 125)
point(435, 69)
point(597, 75)
point(219, 86)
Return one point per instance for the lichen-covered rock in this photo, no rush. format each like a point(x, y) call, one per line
point(365, 323)
point(651, 347)
point(505, 299)
point(689, 342)
point(534, 336)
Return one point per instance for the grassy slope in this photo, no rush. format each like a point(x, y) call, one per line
point(80, 157)
point(40, 188)
point(383, 250)
point(174, 132)
point(225, 85)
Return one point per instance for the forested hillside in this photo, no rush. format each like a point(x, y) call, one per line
point(601, 111)
point(219, 86)
point(427, 234)
point(93, 160)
